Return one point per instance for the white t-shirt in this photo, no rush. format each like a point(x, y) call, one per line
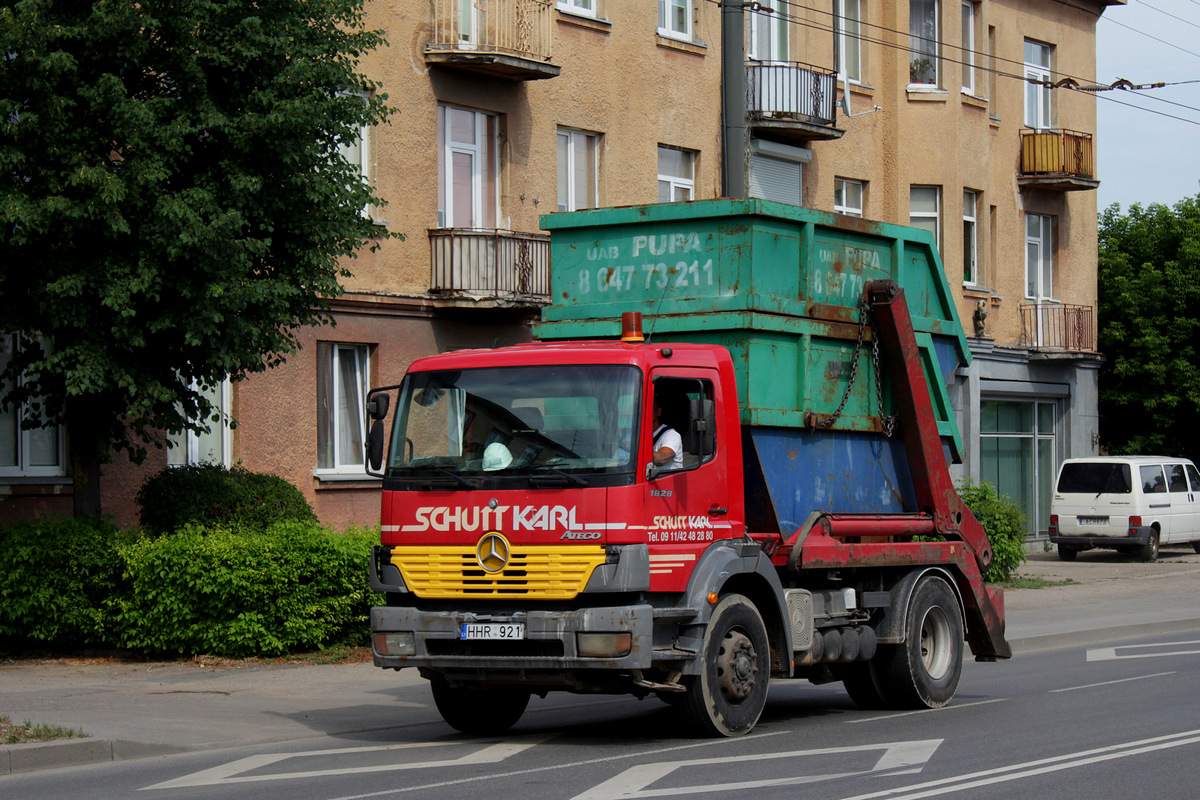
point(666, 436)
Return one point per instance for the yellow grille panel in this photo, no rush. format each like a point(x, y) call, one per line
point(546, 572)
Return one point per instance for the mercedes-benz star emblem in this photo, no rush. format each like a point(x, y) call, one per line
point(492, 552)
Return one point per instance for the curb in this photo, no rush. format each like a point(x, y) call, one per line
point(33, 757)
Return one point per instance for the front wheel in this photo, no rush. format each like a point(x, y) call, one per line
point(479, 711)
point(923, 671)
point(728, 696)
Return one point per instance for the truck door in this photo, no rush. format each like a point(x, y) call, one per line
point(686, 498)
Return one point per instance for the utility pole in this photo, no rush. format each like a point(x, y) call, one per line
point(733, 99)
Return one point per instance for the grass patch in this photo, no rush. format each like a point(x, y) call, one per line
point(11, 733)
point(1022, 582)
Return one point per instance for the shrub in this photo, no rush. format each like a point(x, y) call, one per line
point(236, 592)
point(211, 494)
point(56, 577)
point(1004, 522)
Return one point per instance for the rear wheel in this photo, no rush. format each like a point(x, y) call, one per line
point(728, 695)
point(480, 711)
point(865, 681)
point(1196, 546)
point(923, 672)
point(1149, 551)
point(1067, 553)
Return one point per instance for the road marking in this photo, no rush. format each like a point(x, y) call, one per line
point(633, 783)
point(1110, 683)
point(1029, 769)
point(1111, 654)
point(233, 772)
point(954, 707)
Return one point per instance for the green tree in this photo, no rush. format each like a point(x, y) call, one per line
point(1149, 309)
point(173, 204)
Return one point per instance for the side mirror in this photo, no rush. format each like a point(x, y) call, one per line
point(375, 441)
point(378, 405)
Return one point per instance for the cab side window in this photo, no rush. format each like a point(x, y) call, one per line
point(685, 406)
point(1194, 475)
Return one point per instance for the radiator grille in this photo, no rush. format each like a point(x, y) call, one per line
point(552, 573)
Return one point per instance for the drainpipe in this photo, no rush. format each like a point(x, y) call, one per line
point(733, 99)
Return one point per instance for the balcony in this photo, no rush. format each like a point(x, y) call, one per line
point(1058, 328)
point(791, 102)
point(487, 266)
point(506, 39)
point(1061, 161)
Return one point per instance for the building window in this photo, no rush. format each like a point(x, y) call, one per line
point(1038, 111)
point(40, 452)
point(991, 72)
point(191, 447)
point(1016, 454)
point(970, 237)
point(358, 155)
point(768, 36)
point(848, 197)
point(676, 174)
point(467, 168)
point(968, 47)
point(577, 169)
point(584, 8)
point(776, 171)
point(847, 30)
point(924, 211)
point(923, 42)
point(1039, 256)
point(675, 18)
point(343, 376)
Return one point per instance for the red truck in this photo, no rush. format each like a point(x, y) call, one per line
point(539, 533)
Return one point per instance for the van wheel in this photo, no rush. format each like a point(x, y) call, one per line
point(1067, 553)
point(729, 694)
point(1196, 546)
point(1149, 551)
point(925, 669)
point(482, 712)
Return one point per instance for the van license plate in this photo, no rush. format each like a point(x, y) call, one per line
point(491, 630)
point(1092, 520)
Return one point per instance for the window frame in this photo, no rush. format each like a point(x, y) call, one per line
point(935, 215)
point(23, 439)
point(777, 46)
point(569, 169)
point(677, 182)
point(969, 35)
point(1044, 269)
point(923, 46)
point(485, 169)
point(847, 28)
point(580, 8)
point(1038, 111)
point(1042, 435)
point(188, 442)
point(329, 408)
point(842, 206)
point(666, 24)
point(971, 272)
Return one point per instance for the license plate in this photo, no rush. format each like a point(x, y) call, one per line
point(491, 630)
point(1092, 520)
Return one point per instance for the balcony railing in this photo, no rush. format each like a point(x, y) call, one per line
point(504, 38)
point(1058, 327)
point(490, 264)
point(1058, 159)
point(791, 92)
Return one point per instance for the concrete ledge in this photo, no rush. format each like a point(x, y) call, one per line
point(35, 756)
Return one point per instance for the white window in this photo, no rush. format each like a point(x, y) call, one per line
point(584, 8)
point(776, 171)
point(676, 174)
point(342, 381)
point(847, 26)
point(968, 47)
point(970, 237)
point(577, 154)
point(848, 197)
point(468, 23)
point(1038, 112)
point(358, 154)
point(41, 452)
point(467, 168)
point(924, 211)
point(675, 18)
point(923, 29)
point(768, 36)
point(213, 447)
point(1039, 256)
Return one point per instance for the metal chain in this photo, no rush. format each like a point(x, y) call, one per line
point(862, 327)
point(886, 421)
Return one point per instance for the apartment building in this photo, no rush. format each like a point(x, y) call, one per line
point(899, 110)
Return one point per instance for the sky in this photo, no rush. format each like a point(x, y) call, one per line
point(1144, 157)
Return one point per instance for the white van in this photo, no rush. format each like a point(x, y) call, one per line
point(1128, 503)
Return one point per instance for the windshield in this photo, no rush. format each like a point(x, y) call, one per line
point(565, 421)
point(1095, 477)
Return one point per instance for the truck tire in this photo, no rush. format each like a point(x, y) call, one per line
point(1149, 551)
point(923, 672)
point(728, 695)
point(479, 711)
point(865, 683)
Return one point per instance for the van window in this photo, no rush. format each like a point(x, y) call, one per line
point(1176, 480)
point(1153, 481)
point(1194, 474)
point(1095, 478)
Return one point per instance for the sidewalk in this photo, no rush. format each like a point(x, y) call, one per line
point(136, 710)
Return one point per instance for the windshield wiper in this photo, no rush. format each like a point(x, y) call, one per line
point(557, 479)
point(459, 479)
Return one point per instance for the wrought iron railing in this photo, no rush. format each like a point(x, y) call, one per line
point(490, 263)
point(1061, 327)
point(790, 90)
point(1066, 153)
point(512, 27)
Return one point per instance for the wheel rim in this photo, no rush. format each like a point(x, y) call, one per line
point(935, 642)
point(737, 667)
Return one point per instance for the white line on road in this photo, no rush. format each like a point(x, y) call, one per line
point(1111, 654)
point(954, 707)
point(1110, 683)
point(1030, 768)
